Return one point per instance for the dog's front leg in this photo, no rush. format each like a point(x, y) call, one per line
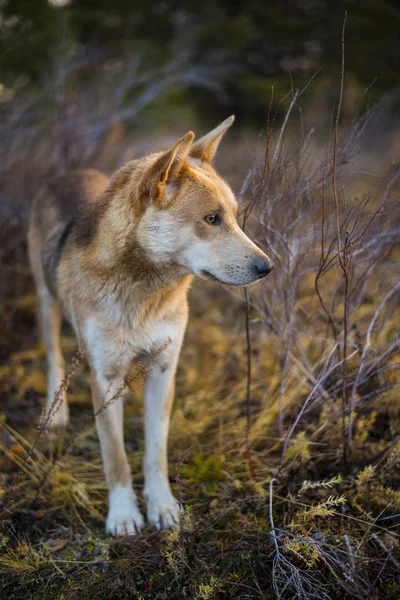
point(124, 517)
point(162, 508)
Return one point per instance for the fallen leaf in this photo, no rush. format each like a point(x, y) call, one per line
point(55, 545)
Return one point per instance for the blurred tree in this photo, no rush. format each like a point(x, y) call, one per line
point(265, 41)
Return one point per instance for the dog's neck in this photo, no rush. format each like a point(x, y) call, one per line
point(117, 264)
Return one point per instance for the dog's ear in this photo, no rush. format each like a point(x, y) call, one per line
point(166, 169)
point(206, 147)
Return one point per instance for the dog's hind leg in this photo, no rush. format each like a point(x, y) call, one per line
point(50, 321)
point(50, 326)
point(162, 508)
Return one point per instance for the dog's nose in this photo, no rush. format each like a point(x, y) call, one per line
point(263, 267)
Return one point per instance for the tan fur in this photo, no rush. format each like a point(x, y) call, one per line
point(117, 258)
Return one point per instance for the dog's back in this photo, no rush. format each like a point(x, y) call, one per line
point(55, 212)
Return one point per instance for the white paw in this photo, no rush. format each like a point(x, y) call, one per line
point(124, 516)
point(162, 508)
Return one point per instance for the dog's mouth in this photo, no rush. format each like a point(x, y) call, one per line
point(208, 275)
point(211, 277)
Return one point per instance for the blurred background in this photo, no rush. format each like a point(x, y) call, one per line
point(221, 56)
point(148, 65)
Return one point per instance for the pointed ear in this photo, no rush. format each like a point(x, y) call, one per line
point(206, 147)
point(166, 168)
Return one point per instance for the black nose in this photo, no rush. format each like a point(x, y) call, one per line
point(263, 267)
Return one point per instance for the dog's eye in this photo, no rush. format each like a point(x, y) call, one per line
point(213, 219)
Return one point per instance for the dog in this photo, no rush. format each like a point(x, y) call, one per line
point(116, 258)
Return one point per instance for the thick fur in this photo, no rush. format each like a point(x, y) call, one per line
point(116, 258)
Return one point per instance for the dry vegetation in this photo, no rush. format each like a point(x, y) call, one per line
point(290, 479)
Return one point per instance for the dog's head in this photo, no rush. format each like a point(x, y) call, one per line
point(190, 215)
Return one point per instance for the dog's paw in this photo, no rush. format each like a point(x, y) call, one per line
point(162, 508)
point(124, 516)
